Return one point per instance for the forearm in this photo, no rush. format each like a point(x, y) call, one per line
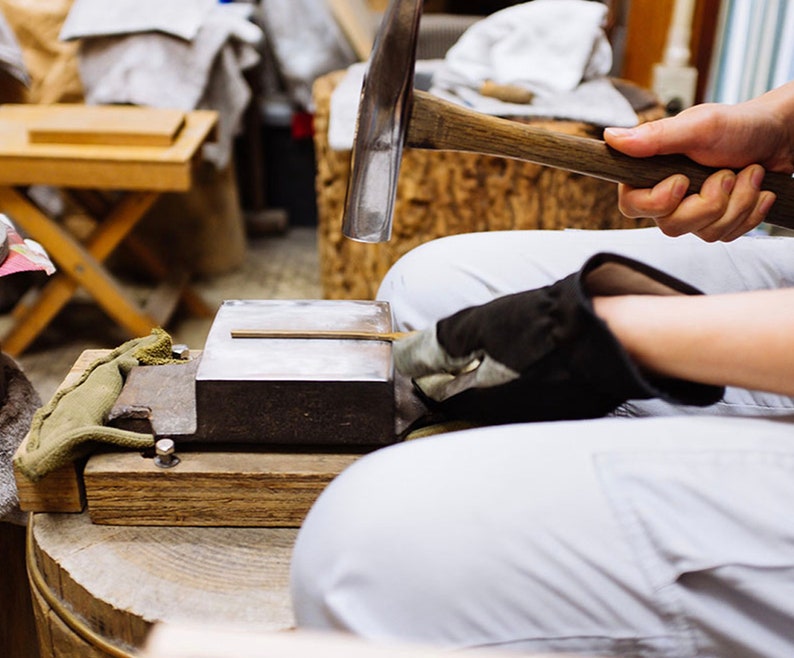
point(742, 339)
point(774, 110)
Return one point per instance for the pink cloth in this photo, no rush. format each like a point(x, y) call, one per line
point(23, 255)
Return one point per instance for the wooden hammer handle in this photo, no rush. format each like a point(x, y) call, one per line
point(441, 125)
point(319, 334)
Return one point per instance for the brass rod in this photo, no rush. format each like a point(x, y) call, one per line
point(319, 334)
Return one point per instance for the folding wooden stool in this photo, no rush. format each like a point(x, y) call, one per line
point(135, 152)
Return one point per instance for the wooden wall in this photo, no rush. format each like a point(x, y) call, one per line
point(646, 34)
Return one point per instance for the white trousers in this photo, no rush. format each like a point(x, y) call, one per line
point(621, 536)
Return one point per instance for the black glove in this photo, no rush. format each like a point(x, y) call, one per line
point(543, 354)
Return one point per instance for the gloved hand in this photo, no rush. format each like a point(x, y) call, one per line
point(543, 354)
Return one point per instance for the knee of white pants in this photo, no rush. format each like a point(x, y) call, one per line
point(346, 553)
point(412, 285)
point(506, 535)
point(465, 540)
point(444, 275)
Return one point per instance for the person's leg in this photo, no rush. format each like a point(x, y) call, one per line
point(443, 276)
point(655, 537)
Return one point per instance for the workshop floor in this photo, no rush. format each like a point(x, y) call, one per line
point(276, 267)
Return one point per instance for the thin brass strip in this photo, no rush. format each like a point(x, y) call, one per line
point(319, 334)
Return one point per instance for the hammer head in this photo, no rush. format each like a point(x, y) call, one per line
point(383, 114)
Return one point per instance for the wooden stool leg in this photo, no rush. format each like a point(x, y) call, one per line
point(152, 264)
point(97, 206)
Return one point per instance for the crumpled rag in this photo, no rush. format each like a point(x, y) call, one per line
point(72, 422)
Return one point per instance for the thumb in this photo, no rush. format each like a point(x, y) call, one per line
point(640, 141)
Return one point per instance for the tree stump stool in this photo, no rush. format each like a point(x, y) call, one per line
point(443, 193)
point(98, 589)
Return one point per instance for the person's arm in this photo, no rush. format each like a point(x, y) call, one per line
point(743, 339)
point(749, 138)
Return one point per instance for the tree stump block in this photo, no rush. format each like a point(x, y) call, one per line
point(97, 590)
point(442, 193)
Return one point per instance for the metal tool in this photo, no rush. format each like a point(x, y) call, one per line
point(392, 115)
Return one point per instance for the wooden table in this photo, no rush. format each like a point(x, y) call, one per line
point(114, 161)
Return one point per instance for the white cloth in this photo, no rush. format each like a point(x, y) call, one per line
point(545, 46)
point(11, 59)
point(154, 62)
point(654, 537)
point(556, 49)
point(306, 42)
point(96, 18)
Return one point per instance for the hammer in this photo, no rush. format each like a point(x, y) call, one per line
point(392, 114)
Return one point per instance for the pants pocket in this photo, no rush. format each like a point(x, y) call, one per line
point(713, 532)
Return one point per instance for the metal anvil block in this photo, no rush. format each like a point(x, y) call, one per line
point(297, 391)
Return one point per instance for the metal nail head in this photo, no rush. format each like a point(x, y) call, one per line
point(165, 456)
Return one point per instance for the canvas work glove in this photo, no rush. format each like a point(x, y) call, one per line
point(543, 354)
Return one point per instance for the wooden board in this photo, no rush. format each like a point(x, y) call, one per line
point(121, 125)
point(207, 488)
point(62, 490)
point(241, 489)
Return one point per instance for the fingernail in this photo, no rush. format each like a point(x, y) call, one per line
point(766, 203)
point(680, 186)
point(620, 132)
point(757, 177)
point(728, 181)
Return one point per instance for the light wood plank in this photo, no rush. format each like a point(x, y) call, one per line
point(60, 491)
point(119, 125)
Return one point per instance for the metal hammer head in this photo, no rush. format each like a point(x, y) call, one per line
point(383, 115)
